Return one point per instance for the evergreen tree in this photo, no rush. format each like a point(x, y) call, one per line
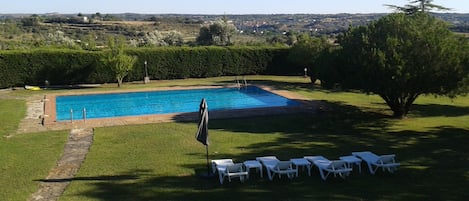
point(401, 57)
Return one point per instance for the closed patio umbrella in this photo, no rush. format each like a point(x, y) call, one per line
point(202, 132)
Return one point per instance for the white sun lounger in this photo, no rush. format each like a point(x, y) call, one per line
point(275, 166)
point(374, 162)
point(219, 165)
point(326, 166)
point(227, 168)
point(236, 170)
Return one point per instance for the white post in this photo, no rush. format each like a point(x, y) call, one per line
point(71, 116)
point(146, 79)
point(84, 115)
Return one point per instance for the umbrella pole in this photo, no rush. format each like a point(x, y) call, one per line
point(208, 165)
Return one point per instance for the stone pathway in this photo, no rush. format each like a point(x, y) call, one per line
point(33, 121)
point(75, 150)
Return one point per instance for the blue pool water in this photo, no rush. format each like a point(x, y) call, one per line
point(165, 102)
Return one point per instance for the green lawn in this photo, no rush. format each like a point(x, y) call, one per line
point(11, 113)
point(163, 161)
point(24, 158)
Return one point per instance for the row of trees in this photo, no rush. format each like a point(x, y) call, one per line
point(399, 57)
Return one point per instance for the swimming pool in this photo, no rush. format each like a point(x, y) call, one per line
point(165, 102)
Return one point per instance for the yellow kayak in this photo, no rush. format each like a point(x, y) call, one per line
point(33, 88)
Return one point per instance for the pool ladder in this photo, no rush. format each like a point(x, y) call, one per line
point(83, 112)
point(243, 83)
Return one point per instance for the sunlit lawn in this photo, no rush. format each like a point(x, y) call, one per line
point(24, 158)
point(164, 161)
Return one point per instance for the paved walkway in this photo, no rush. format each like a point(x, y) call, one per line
point(33, 120)
point(75, 150)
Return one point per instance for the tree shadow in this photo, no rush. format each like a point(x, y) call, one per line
point(431, 110)
point(434, 163)
point(434, 166)
point(333, 116)
point(93, 178)
point(133, 175)
point(281, 85)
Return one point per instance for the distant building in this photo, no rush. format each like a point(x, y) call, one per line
point(85, 19)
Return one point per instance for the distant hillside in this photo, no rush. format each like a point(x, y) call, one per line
point(19, 31)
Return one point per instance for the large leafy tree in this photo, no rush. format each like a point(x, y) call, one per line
point(219, 33)
point(401, 57)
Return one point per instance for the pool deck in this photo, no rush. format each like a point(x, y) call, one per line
point(49, 117)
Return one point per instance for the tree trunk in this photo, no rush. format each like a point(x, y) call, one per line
point(119, 82)
point(401, 108)
point(399, 111)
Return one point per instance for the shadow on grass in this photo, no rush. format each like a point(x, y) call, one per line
point(434, 167)
point(133, 175)
point(196, 188)
point(430, 110)
point(281, 85)
point(96, 178)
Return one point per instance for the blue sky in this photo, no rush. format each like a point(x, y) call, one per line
point(212, 6)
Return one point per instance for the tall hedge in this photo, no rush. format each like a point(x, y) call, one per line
point(58, 66)
point(64, 67)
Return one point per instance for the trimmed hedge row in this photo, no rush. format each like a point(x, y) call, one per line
point(64, 67)
point(18, 68)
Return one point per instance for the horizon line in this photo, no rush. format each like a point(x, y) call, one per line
point(143, 13)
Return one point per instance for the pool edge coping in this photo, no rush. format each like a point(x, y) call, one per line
point(50, 122)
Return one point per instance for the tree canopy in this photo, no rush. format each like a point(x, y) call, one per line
point(218, 33)
point(418, 5)
point(306, 53)
point(119, 62)
point(401, 57)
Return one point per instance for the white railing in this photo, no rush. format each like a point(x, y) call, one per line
point(243, 83)
point(83, 115)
